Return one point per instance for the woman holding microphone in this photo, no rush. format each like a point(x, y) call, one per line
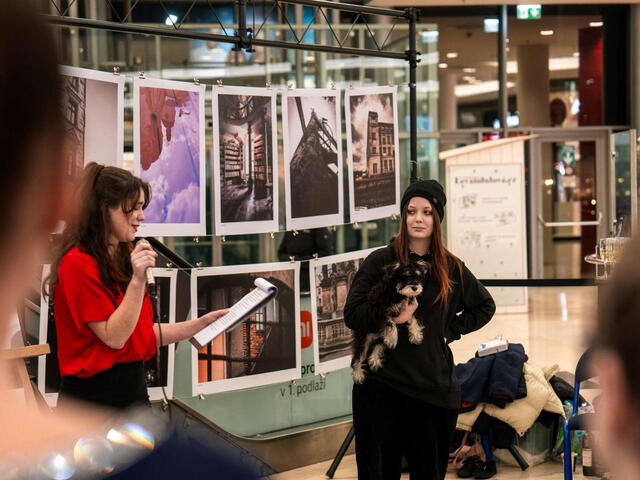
point(103, 313)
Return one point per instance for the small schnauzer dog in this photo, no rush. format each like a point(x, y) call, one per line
point(401, 284)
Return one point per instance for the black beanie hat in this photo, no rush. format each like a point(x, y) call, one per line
point(429, 189)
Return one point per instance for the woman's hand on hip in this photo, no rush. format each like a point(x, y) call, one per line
point(142, 257)
point(407, 311)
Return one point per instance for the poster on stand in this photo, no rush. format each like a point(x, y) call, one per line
point(93, 118)
point(330, 279)
point(169, 151)
point(263, 350)
point(313, 158)
point(372, 152)
point(245, 160)
point(48, 369)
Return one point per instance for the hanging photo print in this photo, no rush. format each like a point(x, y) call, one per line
point(313, 158)
point(373, 152)
point(262, 350)
point(49, 372)
point(93, 118)
point(169, 149)
point(245, 160)
point(330, 280)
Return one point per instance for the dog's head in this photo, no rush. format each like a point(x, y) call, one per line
point(407, 277)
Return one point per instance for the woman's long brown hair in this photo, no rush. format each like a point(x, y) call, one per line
point(100, 189)
point(439, 253)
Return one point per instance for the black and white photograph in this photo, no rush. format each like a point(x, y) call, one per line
point(49, 372)
point(373, 152)
point(313, 158)
point(262, 350)
point(245, 160)
point(93, 118)
point(330, 279)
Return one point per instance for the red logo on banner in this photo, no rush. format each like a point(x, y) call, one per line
point(306, 328)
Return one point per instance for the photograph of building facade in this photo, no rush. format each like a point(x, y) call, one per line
point(246, 158)
point(265, 343)
point(74, 106)
point(313, 156)
point(92, 118)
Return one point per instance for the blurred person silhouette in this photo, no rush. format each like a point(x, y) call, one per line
point(76, 442)
point(617, 366)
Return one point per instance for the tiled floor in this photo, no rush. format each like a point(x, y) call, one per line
point(554, 331)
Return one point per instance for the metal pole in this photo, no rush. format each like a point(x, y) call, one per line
point(503, 94)
point(242, 23)
point(412, 57)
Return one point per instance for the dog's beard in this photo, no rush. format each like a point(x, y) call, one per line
point(408, 291)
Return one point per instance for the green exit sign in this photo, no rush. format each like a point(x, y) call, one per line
point(529, 12)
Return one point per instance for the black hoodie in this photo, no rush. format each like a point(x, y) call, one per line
point(424, 371)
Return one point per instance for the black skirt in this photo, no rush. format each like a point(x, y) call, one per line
point(120, 387)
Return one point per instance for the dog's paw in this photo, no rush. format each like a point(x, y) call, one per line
point(390, 336)
point(375, 359)
point(358, 374)
point(415, 332)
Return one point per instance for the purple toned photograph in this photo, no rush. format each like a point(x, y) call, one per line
point(169, 154)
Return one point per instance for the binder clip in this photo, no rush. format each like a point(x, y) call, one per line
point(292, 259)
point(295, 233)
point(332, 85)
point(315, 256)
point(199, 265)
point(268, 85)
point(169, 265)
point(220, 83)
point(196, 81)
point(141, 75)
point(272, 235)
point(116, 70)
point(289, 86)
point(223, 239)
point(333, 228)
point(196, 239)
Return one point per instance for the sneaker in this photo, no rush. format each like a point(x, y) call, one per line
point(484, 469)
point(468, 467)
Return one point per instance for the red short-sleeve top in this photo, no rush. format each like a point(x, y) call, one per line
point(80, 297)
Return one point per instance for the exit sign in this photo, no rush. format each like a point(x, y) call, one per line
point(529, 12)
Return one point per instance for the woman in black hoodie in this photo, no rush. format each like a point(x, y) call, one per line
point(410, 405)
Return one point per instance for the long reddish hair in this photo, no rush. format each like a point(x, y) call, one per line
point(441, 256)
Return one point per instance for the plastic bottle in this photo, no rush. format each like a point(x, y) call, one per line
point(588, 468)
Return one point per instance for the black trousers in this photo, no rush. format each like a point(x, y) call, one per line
point(120, 387)
point(389, 425)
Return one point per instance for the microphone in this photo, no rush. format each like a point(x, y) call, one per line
point(151, 281)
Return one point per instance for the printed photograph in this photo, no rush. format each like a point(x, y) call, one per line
point(257, 351)
point(373, 152)
point(93, 118)
point(170, 156)
point(49, 372)
point(245, 160)
point(313, 158)
point(331, 278)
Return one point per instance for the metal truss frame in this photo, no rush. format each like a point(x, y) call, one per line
point(245, 36)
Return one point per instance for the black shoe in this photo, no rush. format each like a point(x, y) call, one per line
point(468, 467)
point(484, 469)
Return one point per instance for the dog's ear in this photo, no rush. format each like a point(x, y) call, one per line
point(391, 268)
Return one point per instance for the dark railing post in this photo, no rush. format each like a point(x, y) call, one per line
point(412, 58)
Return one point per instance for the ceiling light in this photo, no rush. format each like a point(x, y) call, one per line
point(469, 70)
point(171, 20)
point(576, 54)
point(596, 24)
point(491, 25)
point(442, 65)
point(452, 55)
point(546, 33)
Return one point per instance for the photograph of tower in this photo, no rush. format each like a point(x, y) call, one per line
point(168, 124)
point(373, 152)
point(330, 280)
point(92, 118)
point(49, 373)
point(244, 160)
point(263, 350)
point(313, 158)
